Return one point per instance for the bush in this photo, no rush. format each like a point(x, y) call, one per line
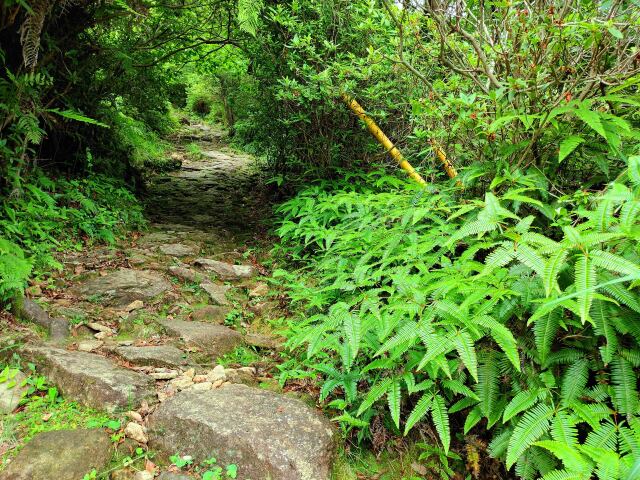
point(516, 314)
point(58, 215)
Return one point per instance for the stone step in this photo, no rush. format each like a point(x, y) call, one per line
point(90, 379)
point(60, 455)
point(121, 287)
point(215, 340)
point(226, 271)
point(266, 434)
point(153, 356)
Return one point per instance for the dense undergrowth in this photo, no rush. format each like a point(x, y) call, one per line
point(57, 215)
point(497, 315)
point(515, 314)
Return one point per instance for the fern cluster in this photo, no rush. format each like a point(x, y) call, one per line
point(517, 314)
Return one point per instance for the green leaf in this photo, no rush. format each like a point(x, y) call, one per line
point(568, 145)
point(441, 421)
point(574, 381)
point(464, 347)
point(533, 425)
point(374, 395)
point(585, 277)
point(393, 399)
point(73, 115)
point(634, 169)
point(474, 416)
point(503, 337)
point(353, 332)
point(418, 412)
point(521, 402)
point(592, 119)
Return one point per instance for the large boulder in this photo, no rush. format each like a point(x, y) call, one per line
point(119, 288)
point(90, 379)
point(215, 340)
point(226, 271)
point(60, 454)
point(269, 436)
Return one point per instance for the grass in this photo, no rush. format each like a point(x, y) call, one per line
point(43, 410)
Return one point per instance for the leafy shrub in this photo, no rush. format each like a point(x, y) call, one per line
point(57, 215)
point(516, 314)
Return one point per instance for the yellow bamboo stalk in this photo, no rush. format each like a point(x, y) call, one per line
point(382, 138)
point(446, 163)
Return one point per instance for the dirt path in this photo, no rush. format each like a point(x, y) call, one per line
point(170, 333)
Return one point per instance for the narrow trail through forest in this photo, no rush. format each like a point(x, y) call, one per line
point(137, 331)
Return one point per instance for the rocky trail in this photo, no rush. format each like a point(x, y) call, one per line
point(170, 332)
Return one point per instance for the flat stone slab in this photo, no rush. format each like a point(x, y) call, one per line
point(155, 356)
point(213, 339)
point(178, 249)
point(217, 293)
point(211, 313)
point(90, 379)
point(121, 287)
point(226, 271)
point(266, 434)
point(187, 274)
point(60, 455)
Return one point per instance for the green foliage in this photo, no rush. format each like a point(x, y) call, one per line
point(518, 309)
point(57, 215)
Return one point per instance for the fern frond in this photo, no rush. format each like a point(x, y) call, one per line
point(563, 429)
point(613, 263)
point(393, 400)
point(605, 436)
point(574, 381)
point(586, 280)
point(488, 386)
point(467, 352)
point(529, 257)
point(353, 333)
point(533, 424)
point(377, 391)
point(552, 269)
point(625, 393)
point(441, 420)
point(418, 412)
point(521, 402)
point(544, 331)
point(503, 337)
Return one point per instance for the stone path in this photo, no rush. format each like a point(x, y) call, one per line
point(141, 329)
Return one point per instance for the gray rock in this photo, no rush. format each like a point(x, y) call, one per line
point(226, 271)
point(29, 310)
point(60, 454)
point(173, 476)
point(90, 379)
point(59, 329)
point(267, 435)
point(12, 391)
point(186, 274)
point(155, 356)
point(121, 287)
point(264, 341)
point(178, 249)
point(211, 313)
point(215, 340)
point(217, 293)
point(89, 345)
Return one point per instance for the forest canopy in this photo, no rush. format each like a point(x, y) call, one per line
point(498, 307)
